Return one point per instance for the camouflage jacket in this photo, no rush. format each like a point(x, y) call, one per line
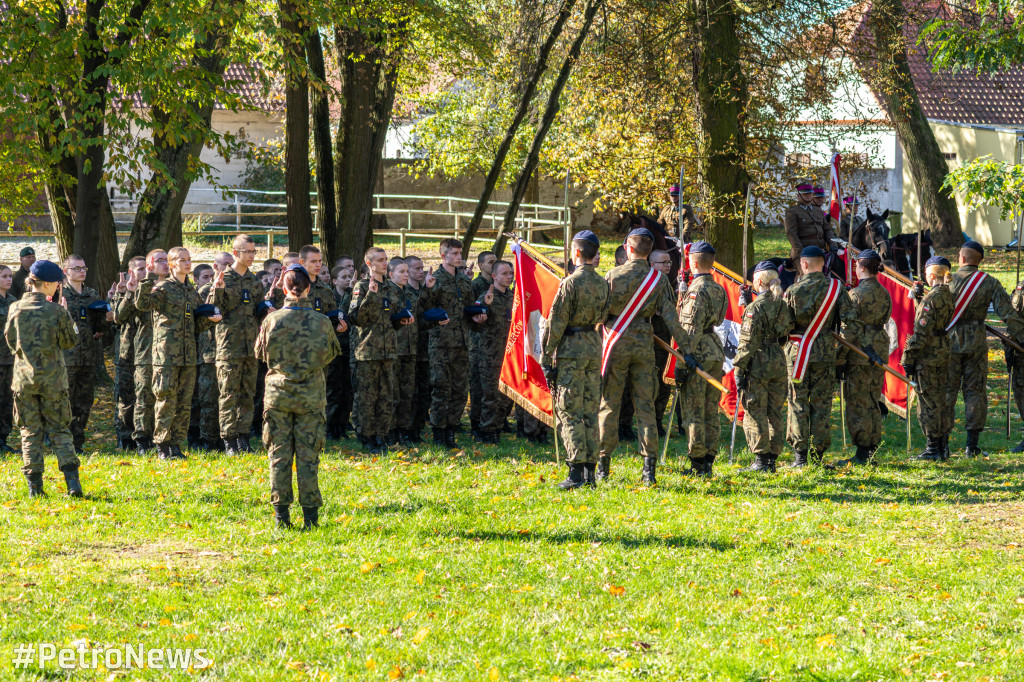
point(581, 303)
point(928, 344)
point(373, 334)
point(766, 321)
point(88, 350)
point(6, 357)
point(125, 313)
point(127, 323)
point(806, 226)
point(452, 293)
point(480, 288)
point(406, 335)
point(206, 341)
point(804, 299)
point(175, 324)
point(874, 309)
point(669, 220)
point(623, 281)
point(320, 298)
point(969, 331)
point(237, 301)
point(38, 332)
point(342, 302)
point(296, 343)
point(704, 307)
point(422, 327)
point(491, 336)
point(18, 287)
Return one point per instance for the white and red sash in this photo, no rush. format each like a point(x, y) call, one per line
point(640, 296)
point(966, 295)
point(805, 341)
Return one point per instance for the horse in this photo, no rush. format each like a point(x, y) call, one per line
point(662, 240)
point(873, 234)
point(904, 250)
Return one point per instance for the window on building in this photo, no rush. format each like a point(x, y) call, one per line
point(798, 159)
point(949, 156)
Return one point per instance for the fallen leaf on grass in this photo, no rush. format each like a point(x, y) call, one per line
point(420, 635)
point(493, 675)
point(295, 665)
point(882, 561)
point(616, 590)
point(826, 641)
point(368, 566)
point(419, 577)
point(395, 673)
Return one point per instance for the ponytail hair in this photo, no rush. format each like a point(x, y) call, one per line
point(941, 271)
point(770, 279)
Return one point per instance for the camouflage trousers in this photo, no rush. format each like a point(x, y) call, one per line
point(6, 402)
point(1017, 385)
point(968, 371)
point(299, 438)
point(339, 395)
point(257, 403)
point(700, 413)
point(495, 405)
point(631, 363)
point(404, 378)
point(145, 402)
point(932, 413)
point(205, 413)
point(82, 394)
point(576, 401)
point(449, 383)
point(124, 400)
point(172, 387)
point(376, 396)
point(423, 393)
point(40, 417)
point(236, 384)
point(476, 386)
point(763, 422)
point(809, 425)
point(863, 391)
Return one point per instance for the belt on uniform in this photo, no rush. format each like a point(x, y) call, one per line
point(612, 318)
point(709, 330)
point(875, 327)
point(939, 332)
point(571, 331)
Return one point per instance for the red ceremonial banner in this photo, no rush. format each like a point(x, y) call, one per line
point(521, 377)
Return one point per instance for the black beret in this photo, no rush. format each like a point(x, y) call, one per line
point(587, 236)
point(974, 246)
point(701, 247)
point(640, 232)
point(207, 310)
point(812, 252)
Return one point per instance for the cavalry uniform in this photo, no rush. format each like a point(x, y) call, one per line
point(806, 226)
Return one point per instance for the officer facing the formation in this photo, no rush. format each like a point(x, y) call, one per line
point(866, 378)
point(704, 307)
point(761, 368)
point(926, 358)
point(805, 224)
point(296, 343)
point(973, 292)
point(491, 337)
point(38, 332)
point(571, 359)
point(815, 302)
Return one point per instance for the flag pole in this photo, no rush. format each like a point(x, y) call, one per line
point(668, 431)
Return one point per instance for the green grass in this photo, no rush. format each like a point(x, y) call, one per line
point(470, 565)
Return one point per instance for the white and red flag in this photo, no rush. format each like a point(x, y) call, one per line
point(835, 206)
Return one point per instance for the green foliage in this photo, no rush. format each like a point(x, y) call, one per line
point(20, 187)
point(986, 182)
point(994, 41)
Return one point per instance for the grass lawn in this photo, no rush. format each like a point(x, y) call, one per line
point(469, 565)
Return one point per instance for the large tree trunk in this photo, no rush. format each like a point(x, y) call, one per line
point(326, 208)
point(721, 97)
point(550, 111)
point(506, 143)
point(893, 81)
point(61, 188)
point(296, 131)
point(369, 76)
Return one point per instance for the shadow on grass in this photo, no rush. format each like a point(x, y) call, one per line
point(630, 541)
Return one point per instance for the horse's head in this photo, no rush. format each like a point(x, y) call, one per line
point(878, 232)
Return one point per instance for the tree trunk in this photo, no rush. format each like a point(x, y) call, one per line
point(61, 187)
point(324, 155)
point(506, 143)
point(296, 131)
point(721, 96)
point(921, 150)
point(550, 111)
point(369, 77)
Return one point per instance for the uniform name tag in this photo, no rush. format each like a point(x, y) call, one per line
point(245, 296)
point(316, 305)
point(81, 312)
point(188, 310)
point(387, 304)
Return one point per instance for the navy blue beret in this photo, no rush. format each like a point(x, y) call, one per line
point(336, 315)
point(207, 310)
point(868, 254)
point(587, 236)
point(640, 232)
point(812, 252)
point(47, 271)
point(476, 309)
point(263, 306)
point(435, 315)
point(969, 244)
point(402, 314)
point(99, 306)
point(297, 266)
point(765, 265)
point(701, 247)
point(937, 260)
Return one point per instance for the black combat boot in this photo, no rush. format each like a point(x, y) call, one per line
point(6, 449)
point(414, 436)
point(439, 436)
point(176, 452)
point(369, 444)
point(760, 463)
point(648, 476)
point(799, 459)
point(973, 449)
point(603, 471)
point(449, 438)
point(231, 447)
point(474, 428)
point(1018, 449)
point(35, 484)
point(144, 445)
point(194, 439)
point(862, 456)
point(216, 445)
point(706, 463)
point(283, 516)
point(696, 467)
point(382, 445)
point(242, 443)
point(310, 518)
point(575, 479)
point(163, 451)
point(771, 463)
point(71, 479)
point(403, 437)
point(590, 475)
point(945, 448)
point(932, 450)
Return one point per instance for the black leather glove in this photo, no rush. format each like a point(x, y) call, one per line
point(1012, 356)
point(691, 362)
point(742, 380)
point(873, 356)
point(746, 295)
point(910, 369)
point(842, 371)
point(682, 374)
point(918, 291)
point(687, 277)
point(550, 374)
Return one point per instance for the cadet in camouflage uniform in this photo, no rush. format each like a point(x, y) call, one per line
point(374, 348)
point(236, 337)
point(481, 285)
point(174, 303)
point(704, 306)
point(417, 276)
point(808, 426)
point(204, 424)
point(968, 364)
point(1015, 361)
point(926, 358)
point(866, 378)
point(761, 368)
point(449, 342)
point(805, 224)
point(405, 301)
point(571, 358)
point(38, 332)
point(631, 359)
point(339, 372)
point(491, 337)
point(82, 359)
point(297, 344)
point(321, 296)
point(28, 257)
point(662, 262)
point(6, 364)
point(124, 376)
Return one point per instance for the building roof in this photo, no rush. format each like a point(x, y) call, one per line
point(257, 90)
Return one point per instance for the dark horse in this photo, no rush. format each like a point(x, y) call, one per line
point(873, 234)
point(662, 240)
point(904, 248)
